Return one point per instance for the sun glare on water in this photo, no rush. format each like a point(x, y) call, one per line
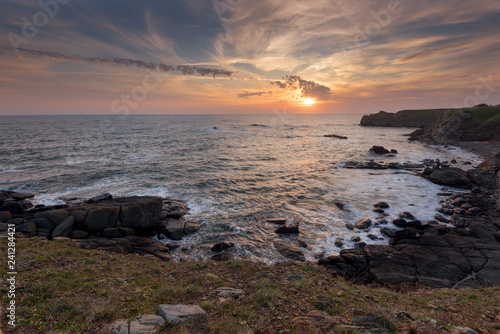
point(308, 101)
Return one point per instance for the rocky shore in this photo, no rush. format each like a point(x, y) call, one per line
point(120, 225)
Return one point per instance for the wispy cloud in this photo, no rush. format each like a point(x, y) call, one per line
point(184, 69)
point(247, 94)
point(308, 89)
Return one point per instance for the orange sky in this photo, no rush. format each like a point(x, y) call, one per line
point(339, 56)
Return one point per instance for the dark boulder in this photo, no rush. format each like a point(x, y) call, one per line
point(399, 222)
point(111, 232)
point(379, 150)
point(221, 246)
point(363, 223)
point(174, 229)
point(387, 232)
point(191, 227)
point(64, 228)
point(101, 217)
point(482, 178)
point(140, 212)
point(5, 215)
point(12, 207)
point(382, 205)
point(450, 176)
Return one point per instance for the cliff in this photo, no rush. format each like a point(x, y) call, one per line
point(443, 126)
point(404, 118)
point(466, 124)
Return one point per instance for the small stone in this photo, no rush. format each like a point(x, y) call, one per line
point(399, 222)
point(372, 236)
point(221, 246)
point(355, 238)
point(339, 242)
point(363, 223)
point(382, 205)
point(350, 226)
point(378, 210)
point(407, 215)
point(176, 314)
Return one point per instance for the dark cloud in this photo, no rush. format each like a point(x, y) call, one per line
point(308, 88)
point(184, 69)
point(247, 94)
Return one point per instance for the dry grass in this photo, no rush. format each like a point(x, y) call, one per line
point(71, 290)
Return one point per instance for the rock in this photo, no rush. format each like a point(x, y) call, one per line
point(126, 231)
point(99, 198)
point(379, 150)
point(335, 136)
point(16, 221)
point(372, 236)
point(378, 210)
point(441, 218)
point(399, 222)
point(43, 223)
point(176, 214)
point(394, 151)
point(363, 224)
point(118, 327)
point(79, 215)
point(26, 228)
point(497, 235)
point(101, 218)
point(230, 292)
point(450, 176)
point(339, 242)
point(176, 314)
point(289, 251)
point(315, 319)
point(191, 227)
point(406, 215)
point(55, 216)
point(79, 234)
point(111, 232)
point(387, 232)
point(221, 246)
point(482, 178)
point(146, 324)
point(12, 207)
point(64, 228)
point(350, 226)
point(278, 221)
point(291, 229)
point(140, 212)
point(414, 223)
point(5, 215)
point(174, 229)
point(355, 238)
point(360, 245)
point(382, 205)
point(463, 330)
point(407, 233)
point(324, 303)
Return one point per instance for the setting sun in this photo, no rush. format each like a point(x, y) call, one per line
point(308, 101)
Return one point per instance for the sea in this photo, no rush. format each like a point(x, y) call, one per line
point(234, 171)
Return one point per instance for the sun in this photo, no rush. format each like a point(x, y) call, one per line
point(309, 101)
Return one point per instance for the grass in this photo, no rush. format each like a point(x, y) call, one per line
point(71, 290)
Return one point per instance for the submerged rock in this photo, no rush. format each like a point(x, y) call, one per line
point(363, 223)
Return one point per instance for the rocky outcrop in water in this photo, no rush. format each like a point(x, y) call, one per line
point(116, 224)
point(466, 254)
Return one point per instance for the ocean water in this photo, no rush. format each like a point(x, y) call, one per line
point(233, 171)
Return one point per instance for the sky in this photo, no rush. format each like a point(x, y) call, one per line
point(246, 56)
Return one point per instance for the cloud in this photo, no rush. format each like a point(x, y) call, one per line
point(247, 94)
point(184, 69)
point(309, 89)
